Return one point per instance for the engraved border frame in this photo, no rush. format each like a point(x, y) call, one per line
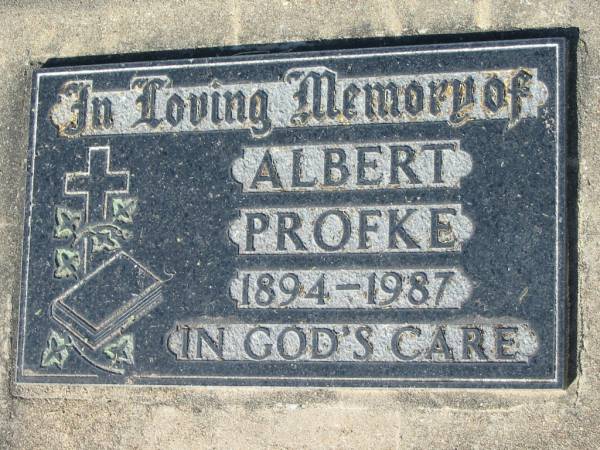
point(561, 324)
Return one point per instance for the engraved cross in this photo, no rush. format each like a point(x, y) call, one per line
point(97, 184)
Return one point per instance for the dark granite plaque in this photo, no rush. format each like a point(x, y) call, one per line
point(378, 217)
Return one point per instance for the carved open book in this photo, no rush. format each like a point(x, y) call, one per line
point(108, 300)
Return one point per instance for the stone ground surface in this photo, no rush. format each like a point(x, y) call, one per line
point(80, 417)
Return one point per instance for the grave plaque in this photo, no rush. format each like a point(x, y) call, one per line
point(376, 217)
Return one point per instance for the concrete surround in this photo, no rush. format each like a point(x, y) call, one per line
point(36, 416)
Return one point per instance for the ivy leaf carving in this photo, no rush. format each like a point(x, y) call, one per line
point(56, 352)
point(67, 222)
point(121, 350)
point(124, 209)
point(104, 240)
point(66, 263)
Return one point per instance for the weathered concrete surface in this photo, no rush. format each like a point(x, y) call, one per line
point(53, 417)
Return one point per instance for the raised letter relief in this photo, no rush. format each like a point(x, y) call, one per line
point(379, 217)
